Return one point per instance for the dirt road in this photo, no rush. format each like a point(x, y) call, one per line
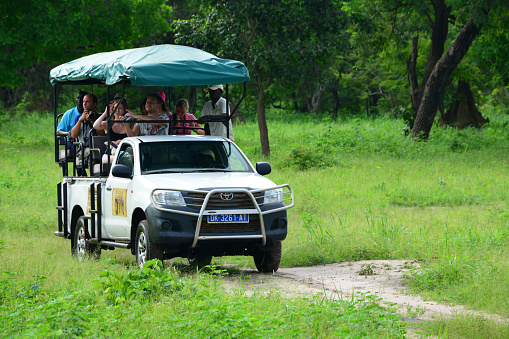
point(383, 278)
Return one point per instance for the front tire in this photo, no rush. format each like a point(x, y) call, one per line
point(268, 259)
point(145, 249)
point(81, 248)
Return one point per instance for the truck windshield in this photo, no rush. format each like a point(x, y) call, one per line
point(199, 156)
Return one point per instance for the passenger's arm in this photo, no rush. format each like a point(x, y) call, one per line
point(207, 118)
point(198, 131)
point(100, 124)
point(131, 132)
point(146, 117)
point(75, 131)
point(62, 133)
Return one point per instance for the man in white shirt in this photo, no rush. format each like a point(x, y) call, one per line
point(216, 109)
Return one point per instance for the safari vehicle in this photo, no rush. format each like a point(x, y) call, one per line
point(168, 196)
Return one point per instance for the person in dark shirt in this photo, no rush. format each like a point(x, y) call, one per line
point(117, 131)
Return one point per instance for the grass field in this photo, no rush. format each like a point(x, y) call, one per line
point(363, 191)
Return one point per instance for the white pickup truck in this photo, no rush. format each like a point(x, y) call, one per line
point(176, 196)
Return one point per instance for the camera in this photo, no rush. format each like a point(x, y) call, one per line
point(128, 118)
point(92, 115)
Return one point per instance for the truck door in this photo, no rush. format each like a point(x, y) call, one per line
point(116, 198)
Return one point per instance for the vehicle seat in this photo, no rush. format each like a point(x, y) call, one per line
point(97, 150)
point(59, 142)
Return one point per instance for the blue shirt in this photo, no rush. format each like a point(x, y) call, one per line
point(69, 120)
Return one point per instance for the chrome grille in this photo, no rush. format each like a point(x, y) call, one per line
point(240, 200)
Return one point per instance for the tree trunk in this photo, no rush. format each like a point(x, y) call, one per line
point(440, 29)
point(262, 121)
point(441, 71)
point(463, 112)
point(335, 98)
point(316, 97)
point(193, 95)
point(412, 75)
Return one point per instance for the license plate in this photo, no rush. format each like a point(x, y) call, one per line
point(228, 218)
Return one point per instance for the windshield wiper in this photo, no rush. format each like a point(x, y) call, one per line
point(210, 170)
point(162, 171)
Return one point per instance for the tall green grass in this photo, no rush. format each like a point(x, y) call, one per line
point(363, 191)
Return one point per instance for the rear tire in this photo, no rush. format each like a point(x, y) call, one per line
point(81, 248)
point(268, 260)
point(145, 249)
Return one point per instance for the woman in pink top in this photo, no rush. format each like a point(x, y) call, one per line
point(189, 120)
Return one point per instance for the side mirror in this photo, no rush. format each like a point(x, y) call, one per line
point(122, 171)
point(263, 168)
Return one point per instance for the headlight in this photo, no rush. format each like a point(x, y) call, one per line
point(173, 198)
point(273, 196)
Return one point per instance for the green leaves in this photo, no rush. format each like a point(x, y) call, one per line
point(273, 38)
point(57, 31)
point(141, 286)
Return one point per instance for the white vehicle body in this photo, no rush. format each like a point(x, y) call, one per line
point(191, 210)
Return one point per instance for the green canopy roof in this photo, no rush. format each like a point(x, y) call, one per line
point(161, 65)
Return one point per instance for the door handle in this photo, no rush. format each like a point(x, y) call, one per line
point(109, 188)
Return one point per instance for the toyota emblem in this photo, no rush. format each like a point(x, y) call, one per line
point(226, 196)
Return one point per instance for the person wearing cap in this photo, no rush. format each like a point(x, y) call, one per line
point(216, 109)
point(156, 110)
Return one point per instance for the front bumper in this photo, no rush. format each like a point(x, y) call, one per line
point(187, 227)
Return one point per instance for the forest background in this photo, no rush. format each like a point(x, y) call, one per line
point(331, 58)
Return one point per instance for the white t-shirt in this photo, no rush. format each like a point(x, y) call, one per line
point(217, 128)
point(149, 129)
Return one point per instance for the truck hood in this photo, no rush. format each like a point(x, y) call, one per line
point(206, 181)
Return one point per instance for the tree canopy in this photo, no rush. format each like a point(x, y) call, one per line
point(52, 32)
point(285, 44)
point(328, 57)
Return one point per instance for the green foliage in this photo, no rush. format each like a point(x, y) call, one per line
point(304, 158)
point(442, 275)
point(34, 129)
point(467, 327)
point(382, 233)
point(327, 242)
point(53, 32)
point(319, 242)
point(144, 285)
point(271, 38)
point(366, 269)
point(157, 305)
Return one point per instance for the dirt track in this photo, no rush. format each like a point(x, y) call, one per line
point(341, 280)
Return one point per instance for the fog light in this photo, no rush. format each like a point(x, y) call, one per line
point(166, 225)
point(282, 223)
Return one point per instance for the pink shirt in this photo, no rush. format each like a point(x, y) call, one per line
point(180, 131)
